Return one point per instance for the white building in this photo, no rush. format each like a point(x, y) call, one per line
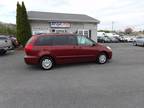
point(47, 22)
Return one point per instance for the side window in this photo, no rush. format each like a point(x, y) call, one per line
point(84, 41)
point(64, 40)
point(60, 40)
point(72, 40)
point(44, 41)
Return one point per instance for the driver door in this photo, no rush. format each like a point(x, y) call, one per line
point(86, 49)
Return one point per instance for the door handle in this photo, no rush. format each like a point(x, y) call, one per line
point(74, 46)
point(77, 47)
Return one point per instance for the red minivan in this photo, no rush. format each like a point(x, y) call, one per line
point(50, 49)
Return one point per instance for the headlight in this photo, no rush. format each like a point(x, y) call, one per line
point(109, 48)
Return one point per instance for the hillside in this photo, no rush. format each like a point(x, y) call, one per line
point(7, 29)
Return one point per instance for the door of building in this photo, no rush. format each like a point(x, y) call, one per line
point(58, 31)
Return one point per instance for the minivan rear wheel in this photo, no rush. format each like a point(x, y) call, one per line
point(102, 58)
point(46, 63)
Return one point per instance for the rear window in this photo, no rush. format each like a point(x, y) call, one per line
point(56, 40)
point(30, 40)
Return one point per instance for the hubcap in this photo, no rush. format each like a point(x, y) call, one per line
point(102, 58)
point(46, 63)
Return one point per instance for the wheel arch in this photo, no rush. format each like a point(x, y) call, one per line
point(104, 53)
point(48, 55)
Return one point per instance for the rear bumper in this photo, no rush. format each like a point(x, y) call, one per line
point(31, 60)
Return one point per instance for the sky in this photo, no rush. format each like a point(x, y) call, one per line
point(119, 13)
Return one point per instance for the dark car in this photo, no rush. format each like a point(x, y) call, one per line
point(100, 39)
point(119, 39)
point(114, 40)
point(50, 49)
point(103, 39)
point(15, 43)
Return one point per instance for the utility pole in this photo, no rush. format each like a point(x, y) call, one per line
point(112, 26)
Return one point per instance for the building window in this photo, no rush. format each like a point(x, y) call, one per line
point(84, 41)
point(84, 33)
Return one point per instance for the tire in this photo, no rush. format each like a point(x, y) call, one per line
point(2, 52)
point(134, 43)
point(102, 58)
point(46, 63)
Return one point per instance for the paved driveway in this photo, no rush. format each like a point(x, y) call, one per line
point(117, 84)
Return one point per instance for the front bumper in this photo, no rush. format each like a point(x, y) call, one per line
point(110, 55)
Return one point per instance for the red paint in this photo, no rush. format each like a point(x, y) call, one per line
point(63, 53)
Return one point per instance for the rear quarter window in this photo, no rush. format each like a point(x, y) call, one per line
point(56, 40)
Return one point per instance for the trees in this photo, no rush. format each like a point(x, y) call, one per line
point(18, 23)
point(106, 31)
point(7, 29)
point(23, 29)
point(128, 30)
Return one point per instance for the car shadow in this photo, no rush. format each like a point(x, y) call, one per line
point(62, 66)
point(74, 65)
point(79, 65)
point(37, 68)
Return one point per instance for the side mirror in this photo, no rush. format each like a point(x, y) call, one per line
point(93, 44)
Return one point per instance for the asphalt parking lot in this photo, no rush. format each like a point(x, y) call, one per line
point(117, 84)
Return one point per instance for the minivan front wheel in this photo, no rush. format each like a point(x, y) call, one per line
point(102, 58)
point(46, 63)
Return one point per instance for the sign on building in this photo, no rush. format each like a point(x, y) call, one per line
point(60, 24)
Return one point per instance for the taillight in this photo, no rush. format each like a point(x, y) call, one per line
point(28, 49)
point(29, 46)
